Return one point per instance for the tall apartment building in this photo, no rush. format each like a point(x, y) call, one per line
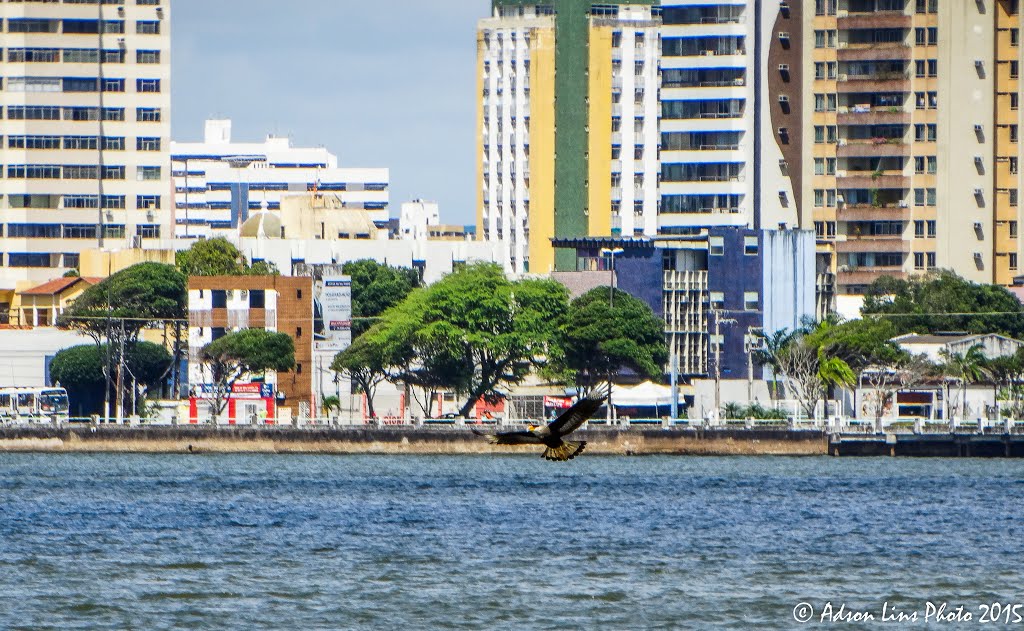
point(86, 132)
point(576, 81)
point(730, 120)
point(914, 136)
point(218, 182)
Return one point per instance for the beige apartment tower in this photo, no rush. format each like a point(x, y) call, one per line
point(86, 132)
point(913, 137)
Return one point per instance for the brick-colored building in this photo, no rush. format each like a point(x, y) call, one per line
point(221, 304)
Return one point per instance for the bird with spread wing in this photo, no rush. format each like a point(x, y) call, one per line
point(552, 435)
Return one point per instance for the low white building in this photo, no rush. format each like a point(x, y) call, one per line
point(25, 355)
point(415, 219)
point(931, 345)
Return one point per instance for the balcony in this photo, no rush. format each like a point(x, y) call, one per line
point(867, 212)
point(874, 19)
point(878, 82)
point(874, 116)
point(881, 51)
point(873, 243)
point(866, 179)
point(876, 147)
point(867, 275)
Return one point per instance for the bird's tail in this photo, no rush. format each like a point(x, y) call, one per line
point(566, 451)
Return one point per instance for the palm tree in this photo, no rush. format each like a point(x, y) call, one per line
point(965, 368)
point(833, 371)
point(772, 347)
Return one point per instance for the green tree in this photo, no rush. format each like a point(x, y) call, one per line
point(376, 288)
point(79, 369)
point(366, 362)
point(964, 369)
point(1007, 374)
point(115, 310)
point(810, 372)
point(598, 340)
point(943, 301)
point(133, 297)
point(219, 257)
point(474, 331)
point(245, 352)
point(770, 352)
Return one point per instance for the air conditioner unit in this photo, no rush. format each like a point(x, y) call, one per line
point(840, 198)
point(977, 160)
point(978, 192)
point(783, 35)
point(783, 98)
point(783, 67)
point(978, 226)
point(782, 194)
point(783, 131)
point(121, 43)
point(902, 203)
point(979, 129)
point(977, 256)
point(979, 64)
point(243, 294)
point(844, 77)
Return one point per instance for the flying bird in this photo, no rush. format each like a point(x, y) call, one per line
point(552, 435)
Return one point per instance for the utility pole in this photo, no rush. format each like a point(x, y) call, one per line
point(120, 378)
point(718, 359)
point(749, 347)
point(610, 253)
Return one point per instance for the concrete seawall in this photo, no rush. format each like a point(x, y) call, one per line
point(115, 439)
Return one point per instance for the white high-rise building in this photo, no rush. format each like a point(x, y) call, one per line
point(86, 132)
point(729, 113)
point(219, 182)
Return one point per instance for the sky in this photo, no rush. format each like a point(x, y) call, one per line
point(380, 84)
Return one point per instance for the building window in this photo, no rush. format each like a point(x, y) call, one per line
point(148, 231)
point(1013, 260)
point(1014, 37)
point(147, 114)
point(717, 300)
point(147, 27)
point(931, 228)
point(147, 85)
point(147, 144)
point(1013, 197)
point(750, 300)
point(919, 260)
point(147, 56)
point(1014, 69)
point(147, 202)
point(1013, 229)
point(932, 164)
point(148, 173)
point(750, 246)
point(298, 332)
point(918, 229)
point(716, 246)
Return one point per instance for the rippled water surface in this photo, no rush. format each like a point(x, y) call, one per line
point(309, 542)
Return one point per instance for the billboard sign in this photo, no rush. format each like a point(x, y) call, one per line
point(332, 314)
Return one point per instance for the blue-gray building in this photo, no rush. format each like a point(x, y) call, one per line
point(718, 288)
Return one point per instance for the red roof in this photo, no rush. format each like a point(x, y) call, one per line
point(57, 286)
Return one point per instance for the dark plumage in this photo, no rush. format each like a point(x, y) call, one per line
point(552, 435)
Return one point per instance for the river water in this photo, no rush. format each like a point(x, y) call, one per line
point(381, 542)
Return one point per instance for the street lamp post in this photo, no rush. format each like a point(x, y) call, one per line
point(610, 252)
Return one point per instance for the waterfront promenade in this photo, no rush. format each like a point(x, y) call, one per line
point(449, 438)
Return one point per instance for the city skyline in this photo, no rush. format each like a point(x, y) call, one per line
point(376, 66)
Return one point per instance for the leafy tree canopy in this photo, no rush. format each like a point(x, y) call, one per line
point(79, 369)
point(859, 343)
point(990, 308)
point(143, 292)
point(219, 257)
point(376, 288)
point(249, 351)
point(474, 331)
point(597, 340)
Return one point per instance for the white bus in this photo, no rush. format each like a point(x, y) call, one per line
point(37, 405)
